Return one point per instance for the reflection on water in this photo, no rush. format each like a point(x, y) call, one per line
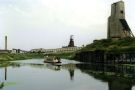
point(70, 75)
point(119, 77)
point(71, 72)
point(5, 77)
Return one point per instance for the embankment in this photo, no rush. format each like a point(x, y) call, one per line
point(23, 56)
point(19, 56)
point(62, 55)
point(108, 51)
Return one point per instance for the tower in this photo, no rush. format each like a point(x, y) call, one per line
point(71, 42)
point(5, 42)
point(117, 24)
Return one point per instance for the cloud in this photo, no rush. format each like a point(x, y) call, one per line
point(34, 20)
point(78, 13)
point(48, 19)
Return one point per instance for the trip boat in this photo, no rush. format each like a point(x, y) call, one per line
point(52, 59)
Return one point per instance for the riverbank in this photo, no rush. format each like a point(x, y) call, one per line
point(62, 55)
point(108, 51)
point(24, 56)
point(108, 45)
point(19, 56)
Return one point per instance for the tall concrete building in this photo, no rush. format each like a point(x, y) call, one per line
point(117, 24)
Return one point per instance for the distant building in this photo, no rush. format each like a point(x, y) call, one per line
point(65, 49)
point(117, 24)
point(18, 51)
point(71, 42)
point(58, 50)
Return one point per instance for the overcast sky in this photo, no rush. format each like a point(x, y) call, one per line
point(49, 23)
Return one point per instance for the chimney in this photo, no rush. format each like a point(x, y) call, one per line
point(5, 42)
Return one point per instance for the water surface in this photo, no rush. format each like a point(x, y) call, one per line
point(71, 75)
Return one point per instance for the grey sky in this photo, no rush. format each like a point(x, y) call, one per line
point(49, 23)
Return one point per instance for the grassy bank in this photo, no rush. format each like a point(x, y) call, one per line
point(62, 55)
point(108, 45)
point(23, 56)
point(19, 56)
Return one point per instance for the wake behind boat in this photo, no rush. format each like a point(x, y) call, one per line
point(52, 59)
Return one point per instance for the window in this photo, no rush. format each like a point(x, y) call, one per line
point(121, 12)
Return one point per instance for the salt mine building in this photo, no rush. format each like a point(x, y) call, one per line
point(117, 25)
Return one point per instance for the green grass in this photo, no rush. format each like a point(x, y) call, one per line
point(62, 55)
point(121, 45)
point(21, 56)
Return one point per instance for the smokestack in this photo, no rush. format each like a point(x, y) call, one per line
point(5, 42)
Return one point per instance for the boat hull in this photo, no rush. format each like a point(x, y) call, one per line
point(51, 62)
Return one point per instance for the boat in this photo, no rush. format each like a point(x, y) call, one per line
point(52, 59)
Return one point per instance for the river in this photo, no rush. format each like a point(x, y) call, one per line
point(34, 74)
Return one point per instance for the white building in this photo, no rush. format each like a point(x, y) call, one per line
point(58, 50)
